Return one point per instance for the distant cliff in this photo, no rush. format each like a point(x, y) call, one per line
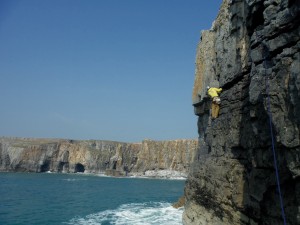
point(112, 158)
point(252, 51)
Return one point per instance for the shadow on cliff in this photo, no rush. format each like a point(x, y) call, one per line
point(261, 200)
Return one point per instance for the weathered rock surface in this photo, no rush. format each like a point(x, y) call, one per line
point(153, 158)
point(252, 51)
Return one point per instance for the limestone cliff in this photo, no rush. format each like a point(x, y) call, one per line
point(112, 158)
point(252, 51)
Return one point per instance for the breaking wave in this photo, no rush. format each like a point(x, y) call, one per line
point(151, 213)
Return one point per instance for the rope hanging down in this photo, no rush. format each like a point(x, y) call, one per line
point(266, 55)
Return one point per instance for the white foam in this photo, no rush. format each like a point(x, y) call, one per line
point(73, 179)
point(156, 213)
point(161, 174)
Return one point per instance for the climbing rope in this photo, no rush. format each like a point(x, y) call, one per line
point(272, 138)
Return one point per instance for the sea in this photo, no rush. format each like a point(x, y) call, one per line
point(81, 199)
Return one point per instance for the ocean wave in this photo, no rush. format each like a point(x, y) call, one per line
point(151, 213)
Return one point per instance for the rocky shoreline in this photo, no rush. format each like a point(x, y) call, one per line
point(162, 159)
point(160, 174)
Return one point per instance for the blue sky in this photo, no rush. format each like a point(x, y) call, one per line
point(118, 70)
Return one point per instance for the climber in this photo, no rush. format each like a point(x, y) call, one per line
point(216, 101)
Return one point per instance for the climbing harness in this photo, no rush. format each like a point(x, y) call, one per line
point(272, 135)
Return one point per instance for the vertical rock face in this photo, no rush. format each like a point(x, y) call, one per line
point(253, 52)
point(69, 156)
